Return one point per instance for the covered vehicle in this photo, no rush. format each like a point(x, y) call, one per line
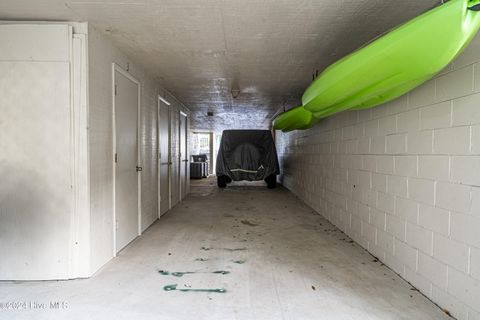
point(247, 155)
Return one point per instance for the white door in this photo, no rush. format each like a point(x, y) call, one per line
point(175, 158)
point(183, 156)
point(164, 156)
point(126, 158)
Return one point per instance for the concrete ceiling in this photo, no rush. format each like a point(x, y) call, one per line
point(201, 49)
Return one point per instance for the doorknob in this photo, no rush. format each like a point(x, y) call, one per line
point(139, 168)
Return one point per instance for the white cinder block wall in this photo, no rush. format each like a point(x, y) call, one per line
point(403, 180)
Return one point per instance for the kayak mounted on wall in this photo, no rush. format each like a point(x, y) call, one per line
point(389, 67)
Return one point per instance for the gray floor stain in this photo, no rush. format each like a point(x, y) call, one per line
point(173, 287)
point(245, 208)
point(181, 274)
point(248, 223)
point(226, 249)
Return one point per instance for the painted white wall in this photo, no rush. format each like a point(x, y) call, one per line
point(188, 143)
point(403, 180)
point(102, 52)
point(56, 219)
point(42, 125)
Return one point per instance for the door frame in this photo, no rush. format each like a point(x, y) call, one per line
point(175, 115)
point(117, 68)
point(161, 100)
point(183, 153)
point(211, 154)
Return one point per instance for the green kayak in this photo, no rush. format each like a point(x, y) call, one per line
point(295, 119)
point(389, 67)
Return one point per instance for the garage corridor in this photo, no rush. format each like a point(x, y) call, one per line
point(247, 160)
point(244, 252)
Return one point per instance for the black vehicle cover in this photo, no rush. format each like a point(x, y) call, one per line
point(247, 155)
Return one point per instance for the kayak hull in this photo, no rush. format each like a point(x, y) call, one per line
point(392, 65)
point(295, 119)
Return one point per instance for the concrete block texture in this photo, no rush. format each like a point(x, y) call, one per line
point(422, 190)
point(417, 188)
point(436, 116)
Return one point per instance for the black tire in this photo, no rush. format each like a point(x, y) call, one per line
point(221, 182)
point(271, 181)
point(228, 179)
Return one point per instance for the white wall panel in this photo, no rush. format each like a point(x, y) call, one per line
point(32, 42)
point(35, 166)
point(80, 238)
point(44, 222)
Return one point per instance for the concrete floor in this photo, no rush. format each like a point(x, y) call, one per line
point(254, 253)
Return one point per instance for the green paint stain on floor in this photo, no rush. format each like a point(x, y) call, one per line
point(173, 287)
point(235, 249)
point(170, 287)
point(221, 272)
point(181, 274)
point(239, 261)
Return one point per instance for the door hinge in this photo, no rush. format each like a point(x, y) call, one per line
point(116, 158)
point(115, 89)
